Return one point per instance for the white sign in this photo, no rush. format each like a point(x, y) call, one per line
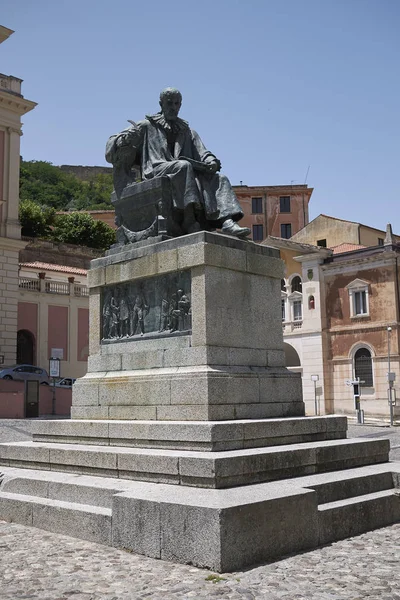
point(314, 377)
point(57, 353)
point(54, 367)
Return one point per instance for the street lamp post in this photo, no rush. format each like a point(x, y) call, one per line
point(390, 377)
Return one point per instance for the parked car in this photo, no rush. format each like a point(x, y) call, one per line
point(66, 382)
point(25, 373)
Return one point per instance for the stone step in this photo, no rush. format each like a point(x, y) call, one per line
point(352, 516)
point(215, 528)
point(80, 489)
point(83, 521)
point(201, 469)
point(342, 488)
point(211, 436)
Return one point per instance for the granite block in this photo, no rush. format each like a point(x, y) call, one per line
point(191, 534)
point(94, 322)
point(135, 391)
point(263, 530)
point(146, 359)
point(113, 274)
point(25, 486)
point(104, 363)
point(267, 266)
point(85, 393)
point(225, 258)
point(96, 277)
point(24, 451)
point(74, 520)
point(233, 388)
point(141, 462)
point(191, 256)
point(194, 412)
point(182, 357)
point(132, 412)
point(280, 386)
point(95, 459)
point(83, 429)
point(89, 412)
point(247, 356)
point(13, 510)
point(240, 310)
point(276, 358)
point(136, 525)
point(189, 389)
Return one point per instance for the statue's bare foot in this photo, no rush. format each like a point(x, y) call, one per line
point(229, 226)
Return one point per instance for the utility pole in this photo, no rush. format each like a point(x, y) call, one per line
point(390, 377)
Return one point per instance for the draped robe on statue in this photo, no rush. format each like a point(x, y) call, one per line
point(161, 149)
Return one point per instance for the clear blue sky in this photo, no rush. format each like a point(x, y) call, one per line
point(272, 86)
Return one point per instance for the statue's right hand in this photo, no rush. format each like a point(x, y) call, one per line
point(123, 140)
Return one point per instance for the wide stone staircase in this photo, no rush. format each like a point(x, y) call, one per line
point(171, 490)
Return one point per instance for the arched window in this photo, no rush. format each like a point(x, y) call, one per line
point(296, 284)
point(363, 367)
point(283, 285)
point(311, 302)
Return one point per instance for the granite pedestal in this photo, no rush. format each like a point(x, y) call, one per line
point(224, 361)
point(188, 440)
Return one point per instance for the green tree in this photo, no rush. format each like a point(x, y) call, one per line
point(35, 220)
point(46, 185)
point(80, 228)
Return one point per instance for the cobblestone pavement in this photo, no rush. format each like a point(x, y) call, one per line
point(46, 566)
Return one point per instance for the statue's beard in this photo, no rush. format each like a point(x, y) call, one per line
point(174, 126)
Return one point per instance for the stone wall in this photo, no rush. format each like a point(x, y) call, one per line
point(55, 253)
point(85, 173)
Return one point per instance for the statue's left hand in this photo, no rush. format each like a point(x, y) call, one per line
point(214, 166)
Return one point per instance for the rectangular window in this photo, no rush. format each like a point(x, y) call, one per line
point(321, 243)
point(256, 206)
point(297, 310)
point(258, 233)
point(381, 241)
point(286, 230)
point(284, 202)
point(360, 303)
point(283, 311)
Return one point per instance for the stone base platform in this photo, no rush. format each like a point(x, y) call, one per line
point(223, 530)
point(199, 469)
point(221, 495)
point(208, 436)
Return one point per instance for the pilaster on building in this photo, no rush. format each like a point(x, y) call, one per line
point(13, 106)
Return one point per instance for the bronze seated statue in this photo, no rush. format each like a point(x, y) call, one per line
point(166, 181)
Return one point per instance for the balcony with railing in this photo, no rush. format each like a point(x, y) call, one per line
point(26, 283)
point(63, 288)
point(289, 326)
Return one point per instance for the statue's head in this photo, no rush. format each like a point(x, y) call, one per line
point(170, 102)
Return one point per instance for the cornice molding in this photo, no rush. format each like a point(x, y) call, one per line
point(15, 103)
point(12, 244)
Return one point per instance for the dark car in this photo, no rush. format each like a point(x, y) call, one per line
point(25, 373)
point(66, 382)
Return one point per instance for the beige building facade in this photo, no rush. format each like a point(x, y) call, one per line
point(12, 107)
point(340, 317)
point(330, 232)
